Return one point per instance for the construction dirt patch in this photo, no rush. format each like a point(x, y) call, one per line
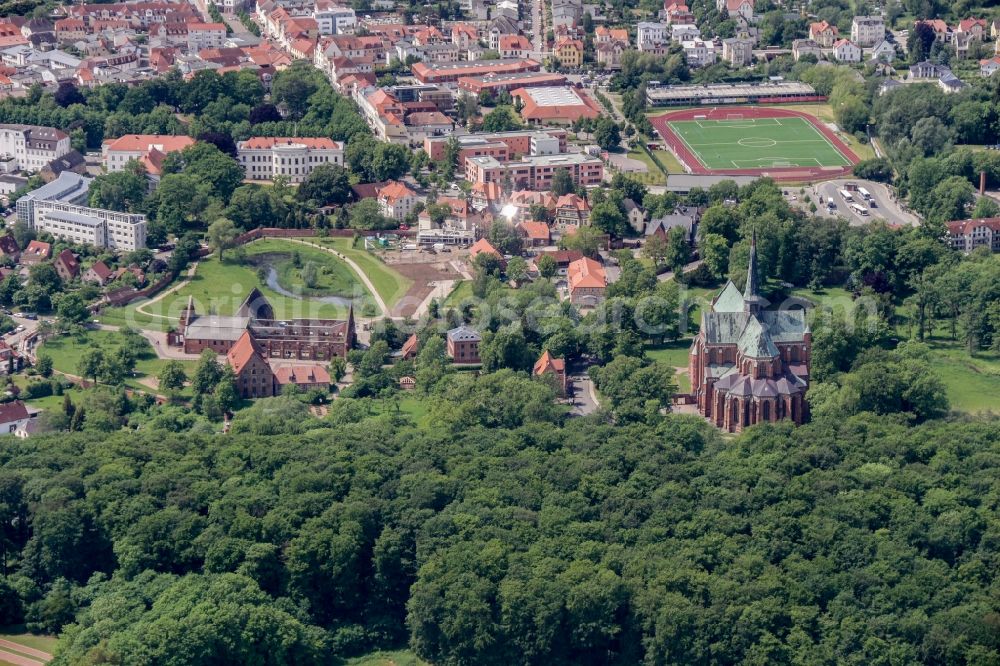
point(423, 268)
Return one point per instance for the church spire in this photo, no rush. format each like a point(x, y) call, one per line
point(751, 293)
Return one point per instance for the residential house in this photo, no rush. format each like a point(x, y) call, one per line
point(514, 46)
point(846, 51)
point(550, 366)
point(927, 70)
point(535, 234)
point(67, 265)
point(967, 235)
point(587, 282)
point(569, 52)
point(739, 10)
point(572, 210)
point(636, 215)
point(883, 51)
point(968, 32)
point(36, 252)
point(463, 345)
point(867, 30)
point(823, 33)
point(13, 415)
point(683, 32)
point(737, 52)
point(699, 53)
point(483, 246)
point(99, 273)
point(396, 200)
point(677, 12)
point(685, 217)
point(802, 47)
point(609, 54)
point(651, 36)
point(989, 66)
point(942, 32)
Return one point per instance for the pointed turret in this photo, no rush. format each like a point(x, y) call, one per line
point(751, 293)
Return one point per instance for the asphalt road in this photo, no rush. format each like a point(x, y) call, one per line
point(887, 208)
point(538, 29)
point(581, 393)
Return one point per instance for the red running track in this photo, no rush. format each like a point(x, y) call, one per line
point(688, 158)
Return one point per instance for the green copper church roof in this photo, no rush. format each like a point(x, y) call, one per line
point(755, 341)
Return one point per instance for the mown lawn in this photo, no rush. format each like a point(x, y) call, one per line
point(66, 352)
point(389, 284)
point(461, 291)
point(221, 286)
point(653, 175)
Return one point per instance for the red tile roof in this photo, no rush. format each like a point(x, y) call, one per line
point(243, 352)
point(301, 374)
point(480, 246)
point(166, 143)
point(266, 142)
point(13, 411)
point(37, 248)
point(962, 227)
point(548, 363)
point(586, 273)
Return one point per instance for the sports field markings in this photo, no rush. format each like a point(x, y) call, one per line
point(815, 136)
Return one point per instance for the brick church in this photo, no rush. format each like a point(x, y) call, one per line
point(295, 339)
point(747, 364)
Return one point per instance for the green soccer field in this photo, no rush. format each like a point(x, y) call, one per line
point(760, 143)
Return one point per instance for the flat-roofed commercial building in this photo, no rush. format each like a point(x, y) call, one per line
point(69, 187)
point(737, 93)
point(497, 82)
point(555, 105)
point(535, 172)
point(451, 72)
point(501, 145)
point(124, 232)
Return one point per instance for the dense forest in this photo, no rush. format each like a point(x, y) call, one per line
point(491, 530)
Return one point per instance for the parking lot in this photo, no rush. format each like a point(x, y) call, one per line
point(881, 205)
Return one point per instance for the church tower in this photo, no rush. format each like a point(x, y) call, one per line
point(753, 302)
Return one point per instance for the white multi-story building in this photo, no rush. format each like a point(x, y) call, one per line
point(69, 187)
point(266, 158)
point(30, 147)
point(124, 232)
point(648, 34)
point(205, 36)
point(846, 51)
point(396, 200)
point(334, 19)
point(699, 53)
point(867, 31)
point(684, 32)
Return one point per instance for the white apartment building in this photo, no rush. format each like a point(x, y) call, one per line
point(30, 147)
point(867, 31)
point(699, 53)
point(124, 232)
point(845, 51)
point(684, 32)
point(334, 19)
point(266, 158)
point(648, 33)
point(205, 36)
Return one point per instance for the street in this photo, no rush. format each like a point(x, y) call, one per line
point(581, 391)
point(538, 29)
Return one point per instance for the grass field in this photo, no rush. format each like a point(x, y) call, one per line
point(389, 284)
point(31, 641)
point(67, 350)
point(758, 143)
point(221, 286)
point(972, 382)
point(462, 291)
